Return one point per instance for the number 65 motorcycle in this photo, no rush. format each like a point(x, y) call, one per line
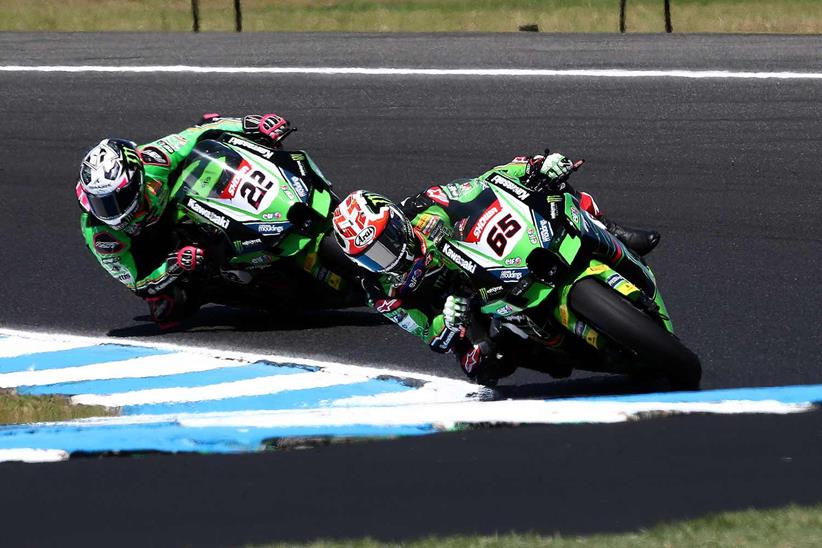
point(263, 216)
point(553, 286)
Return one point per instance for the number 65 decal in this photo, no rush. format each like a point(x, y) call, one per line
point(498, 236)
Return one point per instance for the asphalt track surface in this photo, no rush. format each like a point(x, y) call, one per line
point(573, 479)
point(727, 170)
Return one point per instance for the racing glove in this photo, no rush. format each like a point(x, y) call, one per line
point(552, 169)
point(167, 309)
point(456, 313)
point(271, 127)
point(189, 258)
point(556, 168)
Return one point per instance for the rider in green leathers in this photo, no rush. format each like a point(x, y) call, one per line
point(404, 276)
point(124, 192)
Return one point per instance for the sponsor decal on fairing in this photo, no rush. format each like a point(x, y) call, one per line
point(504, 310)
point(231, 189)
point(458, 259)
point(208, 214)
point(509, 185)
point(545, 232)
point(268, 229)
point(299, 186)
point(253, 147)
point(482, 222)
point(511, 275)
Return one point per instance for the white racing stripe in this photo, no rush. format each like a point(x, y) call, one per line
point(250, 387)
point(447, 415)
point(392, 71)
point(13, 346)
point(33, 455)
point(433, 392)
point(199, 355)
point(149, 366)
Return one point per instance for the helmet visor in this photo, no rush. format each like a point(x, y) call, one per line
point(385, 254)
point(116, 205)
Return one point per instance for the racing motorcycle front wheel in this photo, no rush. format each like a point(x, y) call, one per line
point(635, 331)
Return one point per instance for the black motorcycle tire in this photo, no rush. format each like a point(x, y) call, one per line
point(634, 330)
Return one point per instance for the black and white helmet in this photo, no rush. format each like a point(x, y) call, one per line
point(112, 180)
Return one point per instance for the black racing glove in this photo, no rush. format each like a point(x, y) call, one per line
point(168, 308)
point(267, 127)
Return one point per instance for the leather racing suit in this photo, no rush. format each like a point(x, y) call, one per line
point(415, 301)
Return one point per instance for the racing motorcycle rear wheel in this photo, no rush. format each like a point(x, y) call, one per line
point(635, 331)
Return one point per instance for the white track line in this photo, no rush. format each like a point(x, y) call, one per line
point(14, 346)
point(250, 387)
point(149, 366)
point(444, 415)
point(390, 71)
point(33, 455)
point(499, 412)
point(219, 354)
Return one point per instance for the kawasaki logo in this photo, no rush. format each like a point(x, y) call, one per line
point(462, 262)
point(509, 185)
point(215, 218)
point(248, 145)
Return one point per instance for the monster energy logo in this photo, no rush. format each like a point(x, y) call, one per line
point(377, 201)
point(131, 157)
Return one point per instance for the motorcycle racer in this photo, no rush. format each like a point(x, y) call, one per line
point(124, 193)
point(403, 274)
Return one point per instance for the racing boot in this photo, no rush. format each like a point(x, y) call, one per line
point(640, 241)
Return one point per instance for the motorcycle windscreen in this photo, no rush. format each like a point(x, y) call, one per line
point(215, 166)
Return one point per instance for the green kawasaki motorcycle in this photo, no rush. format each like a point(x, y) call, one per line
point(263, 216)
point(553, 286)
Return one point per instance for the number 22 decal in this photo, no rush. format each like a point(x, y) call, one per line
point(498, 236)
point(254, 194)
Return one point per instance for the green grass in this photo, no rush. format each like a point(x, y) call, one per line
point(768, 16)
point(16, 409)
point(790, 527)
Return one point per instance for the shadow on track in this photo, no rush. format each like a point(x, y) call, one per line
point(528, 384)
point(223, 318)
point(599, 385)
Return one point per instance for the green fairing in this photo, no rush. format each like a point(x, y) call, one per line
point(205, 173)
point(418, 322)
point(569, 243)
